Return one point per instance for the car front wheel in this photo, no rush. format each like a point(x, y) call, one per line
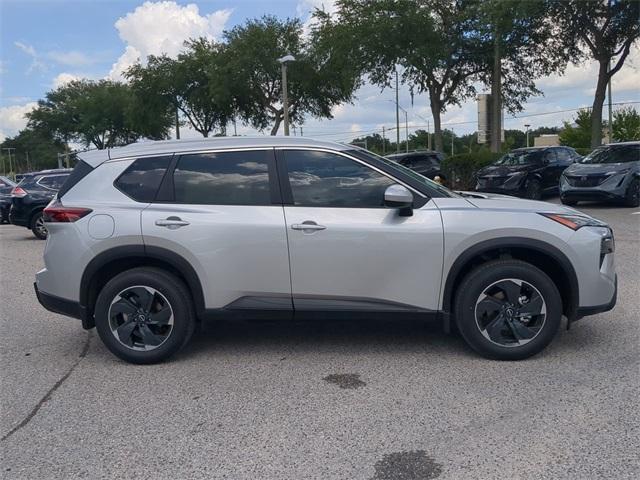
point(633, 194)
point(144, 315)
point(508, 309)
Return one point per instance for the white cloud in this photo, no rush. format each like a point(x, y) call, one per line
point(72, 58)
point(64, 78)
point(36, 63)
point(13, 119)
point(156, 28)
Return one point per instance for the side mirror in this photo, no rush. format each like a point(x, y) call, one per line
point(398, 196)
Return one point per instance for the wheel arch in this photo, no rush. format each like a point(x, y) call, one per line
point(116, 260)
point(543, 255)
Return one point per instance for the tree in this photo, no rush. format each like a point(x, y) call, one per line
point(316, 82)
point(600, 30)
point(34, 150)
point(103, 113)
point(196, 84)
point(374, 143)
point(428, 39)
point(626, 125)
point(519, 43)
point(578, 136)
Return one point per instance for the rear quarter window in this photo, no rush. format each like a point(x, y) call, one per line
point(80, 171)
point(52, 182)
point(141, 180)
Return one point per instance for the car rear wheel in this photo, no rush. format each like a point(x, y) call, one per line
point(632, 198)
point(38, 227)
point(508, 310)
point(533, 189)
point(144, 315)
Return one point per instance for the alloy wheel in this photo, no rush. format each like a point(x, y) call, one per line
point(510, 312)
point(141, 318)
point(40, 227)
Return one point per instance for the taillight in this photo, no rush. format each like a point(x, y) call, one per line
point(18, 192)
point(57, 212)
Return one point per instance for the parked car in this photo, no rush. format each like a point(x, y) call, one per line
point(526, 172)
point(425, 162)
point(610, 173)
point(31, 195)
point(6, 185)
point(148, 239)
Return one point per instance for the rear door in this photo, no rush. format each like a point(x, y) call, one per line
point(221, 211)
point(551, 170)
point(347, 250)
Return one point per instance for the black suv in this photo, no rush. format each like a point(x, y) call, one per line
point(425, 162)
point(526, 172)
point(31, 195)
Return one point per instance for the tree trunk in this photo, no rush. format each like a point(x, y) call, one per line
point(276, 125)
point(495, 127)
point(436, 107)
point(598, 102)
point(177, 125)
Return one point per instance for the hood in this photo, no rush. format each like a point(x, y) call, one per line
point(597, 168)
point(496, 202)
point(503, 170)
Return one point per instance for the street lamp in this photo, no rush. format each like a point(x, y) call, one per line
point(285, 100)
point(527, 127)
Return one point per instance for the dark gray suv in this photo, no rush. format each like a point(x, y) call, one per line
point(610, 173)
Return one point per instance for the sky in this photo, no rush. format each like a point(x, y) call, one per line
point(45, 43)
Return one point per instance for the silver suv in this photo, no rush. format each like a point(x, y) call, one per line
point(149, 239)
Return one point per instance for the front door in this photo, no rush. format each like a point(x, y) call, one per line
point(223, 216)
point(347, 250)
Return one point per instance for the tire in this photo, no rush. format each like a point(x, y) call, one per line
point(632, 198)
point(570, 203)
point(38, 227)
point(533, 189)
point(509, 335)
point(138, 334)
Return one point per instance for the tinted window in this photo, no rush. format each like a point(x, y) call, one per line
point(227, 178)
point(563, 155)
point(54, 182)
point(141, 180)
point(618, 154)
point(519, 157)
point(320, 179)
point(79, 172)
point(550, 156)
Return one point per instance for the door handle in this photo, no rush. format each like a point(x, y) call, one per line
point(308, 226)
point(171, 223)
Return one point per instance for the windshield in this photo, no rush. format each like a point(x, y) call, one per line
point(523, 157)
point(409, 172)
point(627, 153)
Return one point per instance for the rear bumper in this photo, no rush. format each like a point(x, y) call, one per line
point(62, 306)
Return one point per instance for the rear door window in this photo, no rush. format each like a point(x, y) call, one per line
point(141, 180)
point(224, 178)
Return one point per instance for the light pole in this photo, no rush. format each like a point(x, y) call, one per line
point(406, 127)
point(285, 100)
point(527, 127)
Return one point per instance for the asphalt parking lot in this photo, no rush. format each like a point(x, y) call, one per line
point(366, 400)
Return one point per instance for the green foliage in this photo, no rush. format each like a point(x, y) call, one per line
point(578, 136)
point(598, 30)
point(375, 143)
point(197, 83)
point(459, 170)
point(103, 113)
point(626, 125)
point(34, 150)
point(316, 80)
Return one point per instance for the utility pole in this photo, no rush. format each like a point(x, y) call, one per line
point(496, 96)
point(452, 142)
point(428, 135)
point(397, 117)
point(294, 130)
point(301, 134)
point(527, 127)
point(285, 98)
point(177, 125)
point(384, 141)
point(610, 110)
point(406, 129)
point(9, 150)
point(235, 130)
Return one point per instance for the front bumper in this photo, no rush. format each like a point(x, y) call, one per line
point(595, 309)
point(612, 189)
point(63, 306)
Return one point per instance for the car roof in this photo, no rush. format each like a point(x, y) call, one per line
point(166, 147)
point(411, 154)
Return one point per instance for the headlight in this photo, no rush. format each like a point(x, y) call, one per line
point(618, 172)
point(574, 221)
